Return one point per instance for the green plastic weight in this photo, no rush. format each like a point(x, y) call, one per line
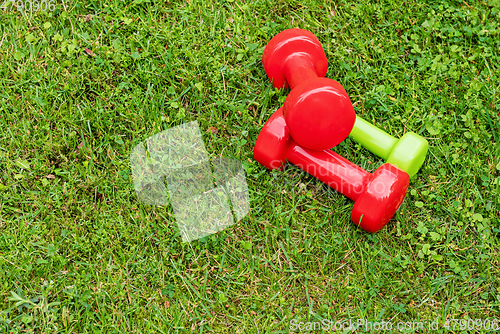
point(407, 153)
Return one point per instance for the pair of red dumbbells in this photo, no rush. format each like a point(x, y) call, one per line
point(316, 116)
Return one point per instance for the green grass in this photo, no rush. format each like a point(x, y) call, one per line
point(75, 241)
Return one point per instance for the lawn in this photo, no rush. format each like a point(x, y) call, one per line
point(84, 82)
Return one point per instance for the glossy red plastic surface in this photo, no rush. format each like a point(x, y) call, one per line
point(319, 114)
point(271, 145)
point(318, 111)
point(329, 167)
point(377, 195)
point(294, 56)
point(381, 198)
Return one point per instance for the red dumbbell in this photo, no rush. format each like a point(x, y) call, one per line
point(318, 111)
point(377, 196)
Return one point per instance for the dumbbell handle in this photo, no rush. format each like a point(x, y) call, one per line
point(372, 138)
point(330, 168)
point(407, 153)
point(298, 68)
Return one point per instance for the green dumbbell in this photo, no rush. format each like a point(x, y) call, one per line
point(407, 153)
